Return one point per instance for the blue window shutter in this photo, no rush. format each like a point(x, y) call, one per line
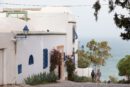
point(76, 36)
point(31, 60)
point(19, 68)
point(45, 58)
point(65, 57)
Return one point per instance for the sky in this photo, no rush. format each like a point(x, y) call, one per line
point(87, 27)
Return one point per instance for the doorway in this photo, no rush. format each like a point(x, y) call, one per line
point(59, 71)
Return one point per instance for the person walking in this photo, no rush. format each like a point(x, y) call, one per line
point(93, 75)
point(98, 75)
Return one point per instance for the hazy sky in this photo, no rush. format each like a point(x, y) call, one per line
point(86, 25)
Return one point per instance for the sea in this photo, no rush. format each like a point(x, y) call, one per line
point(119, 48)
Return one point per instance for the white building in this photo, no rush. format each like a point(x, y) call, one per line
point(23, 55)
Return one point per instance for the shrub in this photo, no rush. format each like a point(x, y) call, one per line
point(51, 77)
point(81, 79)
point(41, 78)
point(70, 68)
point(113, 79)
point(123, 81)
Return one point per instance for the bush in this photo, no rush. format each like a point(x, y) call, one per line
point(51, 77)
point(81, 79)
point(41, 78)
point(123, 81)
point(113, 79)
point(70, 68)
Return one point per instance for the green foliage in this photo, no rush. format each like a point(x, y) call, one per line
point(124, 66)
point(111, 6)
point(81, 79)
point(83, 59)
point(113, 79)
point(51, 77)
point(41, 78)
point(121, 21)
point(97, 7)
point(123, 81)
point(121, 3)
point(55, 59)
point(98, 51)
point(96, 54)
point(70, 68)
point(83, 62)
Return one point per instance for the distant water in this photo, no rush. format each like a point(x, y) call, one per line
point(119, 49)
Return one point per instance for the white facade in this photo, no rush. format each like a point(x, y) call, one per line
point(34, 45)
point(47, 30)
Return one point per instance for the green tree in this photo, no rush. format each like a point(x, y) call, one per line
point(122, 21)
point(83, 60)
point(124, 66)
point(98, 52)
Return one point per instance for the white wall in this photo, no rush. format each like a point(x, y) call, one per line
point(84, 72)
point(34, 45)
point(55, 22)
point(9, 59)
point(26, 47)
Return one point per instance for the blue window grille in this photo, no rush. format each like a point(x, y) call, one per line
point(45, 58)
point(31, 60)
point(19, 68)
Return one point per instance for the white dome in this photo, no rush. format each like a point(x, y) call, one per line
point(11, 24)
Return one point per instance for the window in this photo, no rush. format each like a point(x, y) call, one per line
point(65, 57)
point(75, 36)
point(31, 60)
point(19, 68)
point(45, 58)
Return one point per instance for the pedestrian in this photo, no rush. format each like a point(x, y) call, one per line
point(98, 75)
point(93, 75)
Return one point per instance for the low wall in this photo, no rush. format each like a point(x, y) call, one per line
point(83, 72)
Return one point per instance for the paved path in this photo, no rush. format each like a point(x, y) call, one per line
point(74, 84)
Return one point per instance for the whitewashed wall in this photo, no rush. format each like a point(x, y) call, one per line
point(54, 22)
point(9, 59)
point(34, 45)
point(84, 72)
